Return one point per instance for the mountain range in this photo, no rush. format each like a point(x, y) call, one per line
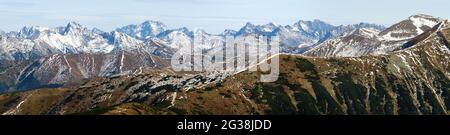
point(325, 69)
point(37, 57)
point(34, 42)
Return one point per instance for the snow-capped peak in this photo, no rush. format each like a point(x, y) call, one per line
point(176, 37)
point(155, 27)
point(366, 32)
point(74, 25)
point(97, 31)
point(145, 30)
point(303, 26)
point(422, 20)
point(29, 32)
point(310, 26)
point(250, 28)
point(422, 16)
point(409, 28)
point(123, 41)
point(153, 24)
point(183, 30)
point(73, 28)
point(175, 33)
point(249, 25)
point(316, 28)
point(269, 27)
point(228, 32)
point(199, 31)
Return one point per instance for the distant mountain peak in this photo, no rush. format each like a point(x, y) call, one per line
point(172, 34)
point(145, 30)
point(366, 32)
point(200, 31)
point(152, 22)
point(183, 29)
point(271, 24)
point(97, 30)
point(154, 26)
point(269, 27)
point(410, 27)
point(422, 16)
point(422, 19)
point(250, 28)
point(228, 32)
point(314, 28)
point(315, 21)
point(31, 31)
point(73, 28)
point(74, 24)
point(249, 24)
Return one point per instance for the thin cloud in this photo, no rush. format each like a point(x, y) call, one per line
point(217, 18)
point(194, 1)
point(83, 18)
point(17, 4)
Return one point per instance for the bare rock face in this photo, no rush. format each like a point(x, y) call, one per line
point(66, 70)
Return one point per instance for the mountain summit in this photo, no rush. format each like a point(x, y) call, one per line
point(411, 27)
point(145, 30)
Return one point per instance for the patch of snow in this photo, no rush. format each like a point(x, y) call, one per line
point(17, 109)
point(67, 62)
point(121, 62)
point(174, 96)
point(419, 22)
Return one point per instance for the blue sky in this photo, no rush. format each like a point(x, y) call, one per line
point(212, 15)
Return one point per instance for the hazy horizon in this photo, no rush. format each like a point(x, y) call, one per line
point(212, 15)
